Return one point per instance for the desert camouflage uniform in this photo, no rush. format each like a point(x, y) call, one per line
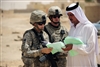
point(31, 50)
point(56, 36)
point(31, 44)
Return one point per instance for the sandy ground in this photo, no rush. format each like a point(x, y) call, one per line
point(12, 27)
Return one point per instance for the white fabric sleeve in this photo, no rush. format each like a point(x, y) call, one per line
point(89, 46)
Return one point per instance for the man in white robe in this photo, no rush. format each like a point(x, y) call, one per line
point(83, 29)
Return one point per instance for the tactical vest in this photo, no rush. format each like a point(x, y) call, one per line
point(34, 41)
point(55, 34)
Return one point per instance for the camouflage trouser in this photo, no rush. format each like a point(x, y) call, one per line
point(28, 65)
point(30, 62)
point(62, 62)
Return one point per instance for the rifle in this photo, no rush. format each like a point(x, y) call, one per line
point(49, 56)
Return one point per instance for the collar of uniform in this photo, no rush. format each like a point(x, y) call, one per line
point(37, 32)
point(51, 26)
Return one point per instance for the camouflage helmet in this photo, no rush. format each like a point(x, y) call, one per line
point(54, 10)
point(37, 16)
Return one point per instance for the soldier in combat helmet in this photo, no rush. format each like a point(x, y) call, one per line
point(32, 48)
point(56, 32)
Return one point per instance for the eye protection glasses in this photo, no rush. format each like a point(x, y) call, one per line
point(55, 16)
point(41, 23)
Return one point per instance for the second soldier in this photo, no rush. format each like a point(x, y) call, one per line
point(56, 32)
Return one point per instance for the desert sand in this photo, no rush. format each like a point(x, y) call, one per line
point(12, 27)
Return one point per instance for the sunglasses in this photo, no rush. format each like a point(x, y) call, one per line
point(55, 16)
point(41, 23)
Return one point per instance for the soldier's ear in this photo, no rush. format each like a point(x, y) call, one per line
point(50, 17)
point(34, 24)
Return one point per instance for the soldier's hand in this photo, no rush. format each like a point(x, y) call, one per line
point(68, 47)
point(46, 50)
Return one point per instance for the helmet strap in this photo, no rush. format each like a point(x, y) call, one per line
point(54, 22)
point(37, 28)
point(55, 26)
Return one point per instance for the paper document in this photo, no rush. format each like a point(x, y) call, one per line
point(56, 47)
point(74, 41)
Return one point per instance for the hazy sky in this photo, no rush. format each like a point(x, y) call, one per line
point(19, 4)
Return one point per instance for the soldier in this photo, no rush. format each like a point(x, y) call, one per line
point(32, 48)
point(56, 32)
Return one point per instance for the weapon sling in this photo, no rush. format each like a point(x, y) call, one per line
point(48, 56)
